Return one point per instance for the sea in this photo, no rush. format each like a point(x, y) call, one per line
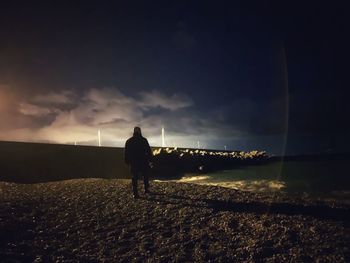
point(325, 179)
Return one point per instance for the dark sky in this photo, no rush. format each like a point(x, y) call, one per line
point(246, 74)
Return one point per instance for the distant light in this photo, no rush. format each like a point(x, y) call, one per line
point(163, 137)
point(99, 138)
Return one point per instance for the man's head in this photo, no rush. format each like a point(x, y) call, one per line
point(137, 131)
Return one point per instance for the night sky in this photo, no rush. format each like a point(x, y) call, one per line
point(247, 75)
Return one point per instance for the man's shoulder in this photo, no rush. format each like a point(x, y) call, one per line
point(129, 140)
point(144, 139)
point(136, 140)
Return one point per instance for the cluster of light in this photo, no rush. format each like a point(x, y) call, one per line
point(191, 152)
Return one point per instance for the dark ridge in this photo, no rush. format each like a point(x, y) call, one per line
point(39, 162)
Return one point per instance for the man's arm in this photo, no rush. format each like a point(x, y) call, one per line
point(149, 151)
point(127, 153)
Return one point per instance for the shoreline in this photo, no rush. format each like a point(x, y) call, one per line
point(96, 220)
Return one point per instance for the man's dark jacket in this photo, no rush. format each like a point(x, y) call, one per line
point(138, 153)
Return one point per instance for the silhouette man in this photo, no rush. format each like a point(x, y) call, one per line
point(137, 156)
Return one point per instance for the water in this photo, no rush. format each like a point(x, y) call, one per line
point(325, 179)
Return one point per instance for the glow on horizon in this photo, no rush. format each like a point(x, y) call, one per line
point(80, 124)
point(163, 137)
point(99, 138)
point(109, 141)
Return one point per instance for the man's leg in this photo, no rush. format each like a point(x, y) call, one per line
point(146, 181)
point(134, 183)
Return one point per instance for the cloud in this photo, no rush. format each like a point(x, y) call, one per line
point(11, 116)
point(155, 99)
point(33, 110)
point(108, 109)
point(60, 98)
point(115, 114)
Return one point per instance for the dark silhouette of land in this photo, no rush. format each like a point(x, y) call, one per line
point(38, 162)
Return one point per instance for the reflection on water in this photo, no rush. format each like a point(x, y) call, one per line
point(193, 179)
point(321, 179)
point(245, 185)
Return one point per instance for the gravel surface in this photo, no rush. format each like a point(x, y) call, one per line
point(97, 220)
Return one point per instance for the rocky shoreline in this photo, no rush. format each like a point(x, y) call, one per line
point(97, 220)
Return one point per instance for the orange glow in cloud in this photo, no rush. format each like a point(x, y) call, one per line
point(3, 100)
point(46, 117)
point(8, 102)
point(64, 117)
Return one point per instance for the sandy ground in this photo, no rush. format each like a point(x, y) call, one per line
point(97, 220)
